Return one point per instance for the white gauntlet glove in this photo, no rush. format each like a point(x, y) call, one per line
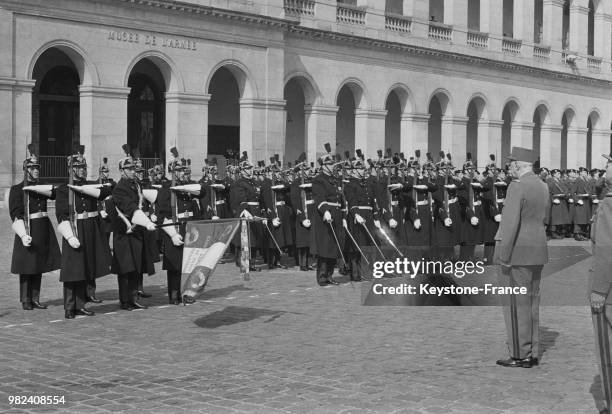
point(276, 222)
point(215, 218)
point(66, 231)
point(327, 216)
point(359, 219)
point(306, 223)
point(153, 218)
point(417, 224)
point(103, 214)
point(139, 218)
point(556, 201)
point(448, 222)
point(498, 218)
point(344, 223)
point(176, 238)
point(246, 214)
point(580, 202)
point(264, 222)
point(571, 200)
point(392, 223)
point(377, 224)
point(19, 229)
point(474, 221)
point(596, 201)
point(393, 187)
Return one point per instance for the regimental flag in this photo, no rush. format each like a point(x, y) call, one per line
point(205, 244)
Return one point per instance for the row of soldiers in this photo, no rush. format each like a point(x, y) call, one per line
point(575, 195)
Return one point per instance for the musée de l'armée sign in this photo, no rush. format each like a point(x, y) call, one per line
point(152, 40)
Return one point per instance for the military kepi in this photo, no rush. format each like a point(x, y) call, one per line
point(521, 154)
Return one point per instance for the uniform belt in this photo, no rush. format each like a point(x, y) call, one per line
point(86, 215)
point(422, 203)
point(38, 215)
point(477, 203)
point(583, 195)
point(500, 200)
point(452, 200)
point(309, 201)
point(558, 195)
point(280, 203)
point(220, 202)
point(252, 203)
point(329, 203)
point(186, 214)
point(394, 203)
point(362, 207)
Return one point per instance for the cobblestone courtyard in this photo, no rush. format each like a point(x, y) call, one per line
point(279, 343)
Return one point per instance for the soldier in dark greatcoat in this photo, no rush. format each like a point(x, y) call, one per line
point(559, 216)
point(176, 207)
point(582, 205)
point(131, 257)
point(494, 193)
point(470, 199)
point(85, 250)
point(327, 219)
point(35, 248)
point(105, 179)
point(303, 204)
point(447, 218)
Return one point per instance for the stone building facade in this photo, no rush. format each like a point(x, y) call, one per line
point(282, 77)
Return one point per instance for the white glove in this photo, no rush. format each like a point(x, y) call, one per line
point(451, 186)
point(177, 240)
point(556, 201)
point(220, 186)
point(327, 216)
point(278, 187)
point(264, 222)
point(306, 223)
point(580, 202)
point(421, 187)
point(246, 214)
point(150, 195)
point(393, 187)
point(44, 189)
point(377, 224)
point(74, 242)
point(139, 218)
point(276, 222)
point(359, 219)
point(571, 200)
point(498, 218)
point(215, 217)
point(596, 201)
point(344, 223)
point(308, 185)
point(417, 224)
point(474, 221)
point(448, 222)
point(103, 214)
point(153, 218)
point(19, 229)
point(392, 223)
point(88, 190)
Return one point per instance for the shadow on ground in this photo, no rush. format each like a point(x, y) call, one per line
point(597, 393)
point(236, 314)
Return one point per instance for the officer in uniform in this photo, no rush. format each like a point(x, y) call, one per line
point(447, 223)
point(522, 251)
point(493, 203)
point(303, 204)
point(245, 201)
point(131, 256)
point(327, 221)
point(176, 207)
point(151, 237)
point(559, 217)
point(104, 179)
point(582, 207)
point(470, 198)
point(601, 283)
point(35, 248)
point(85, 250)
point(390, 201)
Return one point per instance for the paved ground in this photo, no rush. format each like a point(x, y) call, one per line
point(278, 343)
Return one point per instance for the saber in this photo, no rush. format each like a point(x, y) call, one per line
point(337, 242)
point(389, 241)
point(372, 238)
point(356, 245)
point(274, 240)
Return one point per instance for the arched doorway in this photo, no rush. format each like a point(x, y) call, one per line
point(437, 109)
point(348, 101)
point(540, 117)
point(298, 94)
point(55, 105)
point(224, 113)
point(393, 121)
point(146, 110)
point(472, 138)
point(508, 117)
point(566, 124)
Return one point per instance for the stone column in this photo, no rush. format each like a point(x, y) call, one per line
point(103, 124)
point(413, 133)
point(187, 127)
point(523, 24)
point(522, 135)
point(550, 146)
point(579, 18)
point(576, 147)
point(600, 144)
point(262, 128)
point(454, 136)
point(489, 140)
point(370, 130)
point(603, 35)
point(553, 24)
point(493, 22)
point(320, 124)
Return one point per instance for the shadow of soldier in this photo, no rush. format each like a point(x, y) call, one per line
point(237, 314)
point(598, 396)
point(548, 338)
